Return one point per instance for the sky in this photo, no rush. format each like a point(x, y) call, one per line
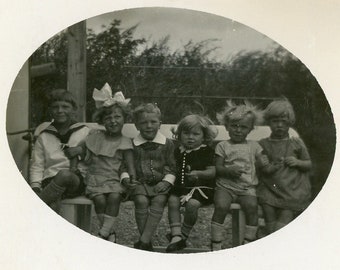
point(184, 25)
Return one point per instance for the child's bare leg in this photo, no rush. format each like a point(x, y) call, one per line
point(249, 206)
point(190, 216)
point(141, 211)
point(111, 212)
point(99, 202)
point(156, 211)
point(174, 216)
point(222, 201)
point(178, 240)
point(270, 217)
point(64, 180)
point(285, 216)
point(113, 204)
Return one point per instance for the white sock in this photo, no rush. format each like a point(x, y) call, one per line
point(108, 225)
point(250, 233)
point(100, 219)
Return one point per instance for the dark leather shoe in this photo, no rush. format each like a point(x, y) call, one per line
point(179, 245)
point(143, 246)
point(136, 245)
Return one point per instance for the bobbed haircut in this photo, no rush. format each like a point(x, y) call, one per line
point(280, 108)
point(194, 120)
point(146, 108)
point(62, 95)
point(100, 113)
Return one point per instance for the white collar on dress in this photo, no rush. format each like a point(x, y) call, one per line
point(182, 149)
point(159, 138)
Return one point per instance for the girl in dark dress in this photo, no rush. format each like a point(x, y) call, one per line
point(194, 185)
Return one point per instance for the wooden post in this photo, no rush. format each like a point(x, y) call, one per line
point(76, 66)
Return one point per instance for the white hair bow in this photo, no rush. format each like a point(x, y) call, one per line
point(104, 98)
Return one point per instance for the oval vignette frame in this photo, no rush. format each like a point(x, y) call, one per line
point(297, 116)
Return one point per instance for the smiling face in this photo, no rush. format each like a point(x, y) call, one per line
point(114, 122)
point(192, 138)
point(62, 112)
point(148, 125)
point(239, 129)
point(279, 127)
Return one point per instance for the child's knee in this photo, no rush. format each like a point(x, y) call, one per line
point(192, 206)
point(174, 202)
point(159, 201)
point(249, 204)
point(141, 201)
point(114, 198)
point(99, 203)
point(222, 204)
point(286, 216)
point(66, 178)
point(221, 207)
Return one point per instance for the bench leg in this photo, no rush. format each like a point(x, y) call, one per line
point(84, 217)
point(238, 226)
point(77, 214)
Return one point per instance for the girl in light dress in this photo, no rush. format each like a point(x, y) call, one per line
point(236, 171)
point(109, 157)
point(284, 189)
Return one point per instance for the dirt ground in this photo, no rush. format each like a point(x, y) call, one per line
point(127, 232)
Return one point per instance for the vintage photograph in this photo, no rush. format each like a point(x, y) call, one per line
point(170, 130)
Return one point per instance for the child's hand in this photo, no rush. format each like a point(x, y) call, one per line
point(192, 177)
point(292, 162)
point(263, 160)
point(236, 171)
point(162, 186)
point(128, 183)
point(72, 152)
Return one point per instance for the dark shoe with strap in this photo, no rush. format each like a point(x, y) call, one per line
point(176, 246)
point(136, 245)
point(143, 246)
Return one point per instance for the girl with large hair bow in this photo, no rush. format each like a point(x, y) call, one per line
point(110, 159)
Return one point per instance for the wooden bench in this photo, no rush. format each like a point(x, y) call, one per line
point(79, 210)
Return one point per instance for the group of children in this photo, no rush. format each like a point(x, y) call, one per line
point(69, 159)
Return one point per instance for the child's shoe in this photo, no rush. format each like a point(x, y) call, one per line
point(143, 246)
point(176, 246)
point(215, 246)
point(112, 237)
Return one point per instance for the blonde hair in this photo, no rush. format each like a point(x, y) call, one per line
point(146, 108)
point(100, 113)
point(195, 120)
point(280, 108)
point(234, 112)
